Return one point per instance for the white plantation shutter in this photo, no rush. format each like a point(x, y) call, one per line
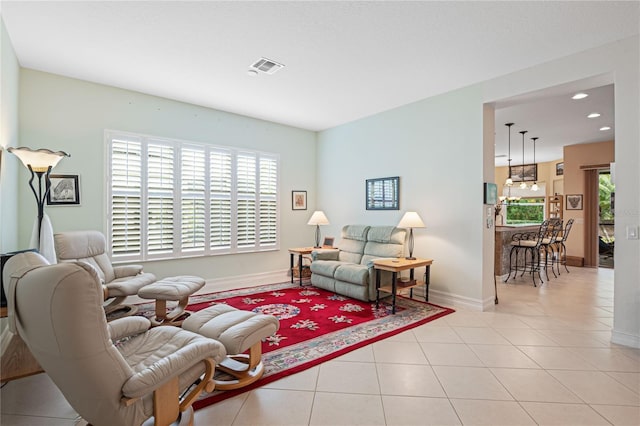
point(160, 198)
point(268, 201)
point(169, 198)
point(220, 185)
point(126, 194)
point(193, 199)
point(246, 202)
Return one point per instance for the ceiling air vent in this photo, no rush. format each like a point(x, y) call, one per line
point(266, 66)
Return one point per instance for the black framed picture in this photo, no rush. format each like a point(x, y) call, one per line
point(298, 200)
point(383, 193)
point(524, 173)
point(63, 190)
point(559, 169)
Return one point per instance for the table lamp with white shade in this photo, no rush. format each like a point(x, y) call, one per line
point(318, 218)
point(411, 220)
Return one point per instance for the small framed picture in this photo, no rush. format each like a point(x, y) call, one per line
point(559, 169)
point(63, 190)
point(298, 200)
point(328, 242)
point(490, 193)
point(574, 202)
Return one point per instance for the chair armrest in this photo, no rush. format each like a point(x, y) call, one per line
point(325, 254)
point(160, 372)
point(127, 270)
point(129, 326)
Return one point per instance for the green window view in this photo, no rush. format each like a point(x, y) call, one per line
point(525, 211)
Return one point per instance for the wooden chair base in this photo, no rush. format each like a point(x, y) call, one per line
point(175, 317)
point(243, 368)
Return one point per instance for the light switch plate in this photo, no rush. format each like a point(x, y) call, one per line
point(632, 232)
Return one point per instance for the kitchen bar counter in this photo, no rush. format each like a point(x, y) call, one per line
point(503, 247)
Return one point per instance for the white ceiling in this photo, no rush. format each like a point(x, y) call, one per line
point(343, 60)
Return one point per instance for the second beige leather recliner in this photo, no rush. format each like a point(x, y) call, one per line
point(119, 281)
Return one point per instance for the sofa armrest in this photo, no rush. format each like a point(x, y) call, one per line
point(325, 255)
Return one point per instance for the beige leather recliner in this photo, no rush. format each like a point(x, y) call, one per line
point(117, 373)
point(119, 281)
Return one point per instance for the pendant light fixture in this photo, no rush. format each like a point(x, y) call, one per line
point(523, 185)
point(509, 181)
point(534, 187)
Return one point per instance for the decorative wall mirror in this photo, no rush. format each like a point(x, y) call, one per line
point(383, 193)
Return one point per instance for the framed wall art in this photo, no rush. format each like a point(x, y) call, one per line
point(559, 169)
point(383, 193)
point(490, 193)
point(298, 200)
point(524, 173)
point(574, 202)
point(64, 190)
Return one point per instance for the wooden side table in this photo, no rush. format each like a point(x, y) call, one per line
point(300, 251)
point(397, 265)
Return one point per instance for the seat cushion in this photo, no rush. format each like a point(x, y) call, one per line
point(352, 273)
point(325, 267)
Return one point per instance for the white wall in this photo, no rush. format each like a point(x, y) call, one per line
point(9, 74)
point(71, 115)
point(438, 148)
point(435, 146)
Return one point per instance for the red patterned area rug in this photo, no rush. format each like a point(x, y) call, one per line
point(315, 325)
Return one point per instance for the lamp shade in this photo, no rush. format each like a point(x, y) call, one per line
point(318, 218)
point(39, 159)
point(411, 220)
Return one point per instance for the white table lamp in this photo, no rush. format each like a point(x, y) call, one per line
point(318, 218)
point(411, 220)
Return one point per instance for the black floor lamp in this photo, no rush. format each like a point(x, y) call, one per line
point(39, 162)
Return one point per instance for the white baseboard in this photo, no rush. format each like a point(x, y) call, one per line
point(249, 280)
point(626, 339)
point(453, 300)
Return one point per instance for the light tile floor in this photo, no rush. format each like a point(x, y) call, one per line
point(542, 357)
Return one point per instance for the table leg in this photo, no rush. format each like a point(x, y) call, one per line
point(427, 278)
point(300, 268)
point(394, 276)
point(377, 287)
point(411, 275)
point(291, 268)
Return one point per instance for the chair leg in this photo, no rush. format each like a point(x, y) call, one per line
point(564, 252)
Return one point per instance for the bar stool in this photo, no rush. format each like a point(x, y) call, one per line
point(552, 234)
point(559, 249)
point(529, 243)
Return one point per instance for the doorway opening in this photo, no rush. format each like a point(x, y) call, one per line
point(606, 221)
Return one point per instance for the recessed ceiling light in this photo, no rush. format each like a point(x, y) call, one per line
point(252, 73)
point(579, 96)
point(593, 115)
point(602, 129)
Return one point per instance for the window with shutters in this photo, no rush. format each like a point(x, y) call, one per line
point(170, 198)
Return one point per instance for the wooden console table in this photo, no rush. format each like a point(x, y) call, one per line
point(397, 265)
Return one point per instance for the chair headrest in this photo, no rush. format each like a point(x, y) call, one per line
point(79, 244)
